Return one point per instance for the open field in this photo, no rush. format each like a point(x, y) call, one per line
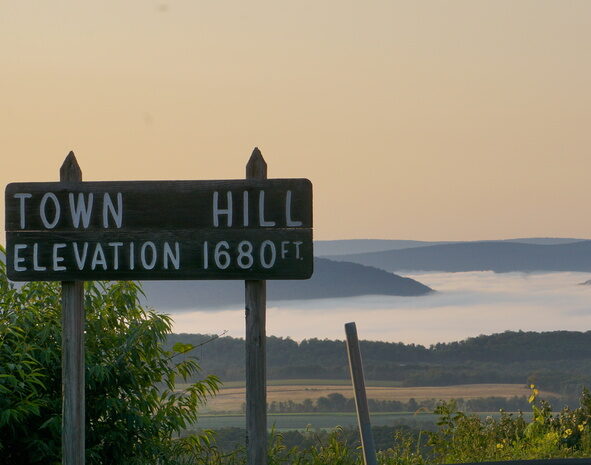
point(313, 421)
point(312, 382)
point(230, 399)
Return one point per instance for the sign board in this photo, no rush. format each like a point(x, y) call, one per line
point(142, 230)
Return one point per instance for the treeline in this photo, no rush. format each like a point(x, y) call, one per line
point(557, 360)
point(336, 402)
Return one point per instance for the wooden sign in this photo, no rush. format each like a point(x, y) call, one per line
point(234, 229)
point(72, 231)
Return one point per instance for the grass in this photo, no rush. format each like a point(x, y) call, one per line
point(302, 421)
point(330, 420)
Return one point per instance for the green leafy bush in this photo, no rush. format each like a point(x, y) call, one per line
point(470, 438)
point(134, 412)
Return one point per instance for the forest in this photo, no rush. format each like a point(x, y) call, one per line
point(556, 360)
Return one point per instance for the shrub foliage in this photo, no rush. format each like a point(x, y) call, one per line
point(134, 411)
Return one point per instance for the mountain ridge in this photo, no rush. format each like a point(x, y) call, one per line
point(330, 280)
point(327, 248)
point(498, 256)
point(558, 360)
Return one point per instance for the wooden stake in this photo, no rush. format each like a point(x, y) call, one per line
point(72, 351)
point(367, 443)
point(256, 376)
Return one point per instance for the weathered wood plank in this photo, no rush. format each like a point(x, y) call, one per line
point(356, 367)
point(73, 408)
point(256, 360)
point(272, 203)
point(149, 255)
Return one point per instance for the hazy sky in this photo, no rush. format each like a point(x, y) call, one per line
point(422, 120)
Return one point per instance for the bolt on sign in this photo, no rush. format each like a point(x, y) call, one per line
point(232, 229)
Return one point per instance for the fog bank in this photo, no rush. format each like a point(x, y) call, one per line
point(466, 304)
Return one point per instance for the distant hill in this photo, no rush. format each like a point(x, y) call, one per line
point(330, 279)
point(355, 246)
point(545, 240)
point(348, 246)
point(557, 360)
point(501, 256)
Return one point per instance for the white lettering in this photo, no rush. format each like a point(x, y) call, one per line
point(218, 254)
point(245, 208)
point(18, 259)
point(99, 258)
point(57, 259)
point(116, 246)
point(288, 219)
point(108, 206)
point(245, 252)
point(271, 246)
point(205, 255)
point(297, 244)
point(217, 211)
point(36, 266)
point(145, 264)
point(22, 197)
point(80, 210)
point(262, 221)
point(175, 259)
point(131, 255)
point(42, 212)
point(284, 249)
point(80, 260)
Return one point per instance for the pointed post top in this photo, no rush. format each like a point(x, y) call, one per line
point(256, 168)
point(70, 170)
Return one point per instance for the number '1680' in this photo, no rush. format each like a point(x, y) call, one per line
point(245, 255)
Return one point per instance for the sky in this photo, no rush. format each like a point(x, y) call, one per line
point(427, 120)
point(465, 305)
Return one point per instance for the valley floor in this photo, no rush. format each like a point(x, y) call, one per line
point(231, 398)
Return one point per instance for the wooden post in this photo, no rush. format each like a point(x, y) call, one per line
point(256, 376)
point(72, 351)
point(369, 451)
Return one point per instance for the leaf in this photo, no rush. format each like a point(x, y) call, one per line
point(182, 348)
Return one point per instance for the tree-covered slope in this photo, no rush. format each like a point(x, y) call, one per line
point(330, 280)
point(555, 359)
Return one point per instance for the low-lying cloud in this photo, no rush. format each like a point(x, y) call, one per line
point(466, 304)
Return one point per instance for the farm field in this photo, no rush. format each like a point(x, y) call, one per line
point(313, 421)
point(230, 399)
point(313, 382)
